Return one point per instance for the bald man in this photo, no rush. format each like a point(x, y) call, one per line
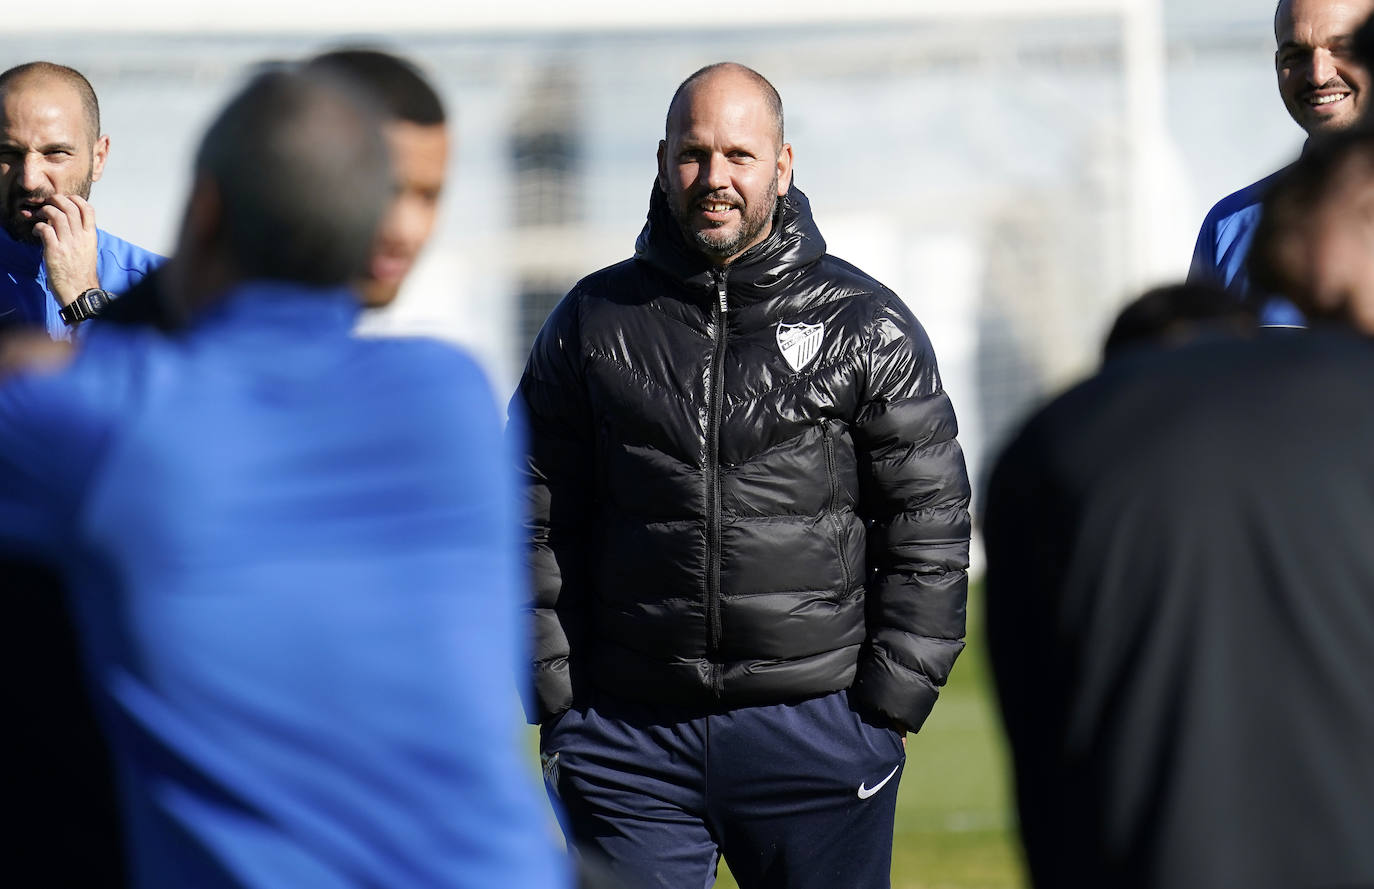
point(59, 268)
point(750, 527)
point(1324, 87)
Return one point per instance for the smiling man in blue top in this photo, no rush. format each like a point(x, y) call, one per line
point(292, 554)
point(1324, 87)
point(56, 268)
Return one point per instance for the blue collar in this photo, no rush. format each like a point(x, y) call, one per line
point(283, 304)
point(19, 256)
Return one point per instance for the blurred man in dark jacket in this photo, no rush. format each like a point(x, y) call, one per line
point(1179, 577)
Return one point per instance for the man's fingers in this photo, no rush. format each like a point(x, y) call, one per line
point(86, 211)
point(70, 249)
point(57, 216)
point(44, 232)
point(69, 208)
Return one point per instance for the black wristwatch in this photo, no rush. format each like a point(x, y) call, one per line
point(89, 304)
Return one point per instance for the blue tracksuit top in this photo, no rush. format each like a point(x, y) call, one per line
point(1223, 243)
point(25, 299)
point(293, 557)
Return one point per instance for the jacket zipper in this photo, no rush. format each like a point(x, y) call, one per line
point(834, 478)
point(713, 508)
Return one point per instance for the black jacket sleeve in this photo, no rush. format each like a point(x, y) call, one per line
point(559, 475)
point(914, 498)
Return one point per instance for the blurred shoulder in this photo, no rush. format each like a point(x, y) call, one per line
point(425, 369)
point(419, 355)
point(1246, 200)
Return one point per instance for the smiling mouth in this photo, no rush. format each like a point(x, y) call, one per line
point(1321, 101)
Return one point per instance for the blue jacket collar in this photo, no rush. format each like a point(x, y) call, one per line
point(19, 256)
point(267, 303)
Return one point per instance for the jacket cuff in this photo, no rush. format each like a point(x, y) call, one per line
point(884, 686)
point(552, 693)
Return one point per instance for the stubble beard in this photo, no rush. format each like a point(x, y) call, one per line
point(21, 229)
point(717, 245)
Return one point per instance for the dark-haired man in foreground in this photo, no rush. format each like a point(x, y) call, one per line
point(750, 527)
point(291, 553)
point(64, 789)
point(1179, 576)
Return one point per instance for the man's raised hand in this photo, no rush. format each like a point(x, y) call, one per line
point(70, 247)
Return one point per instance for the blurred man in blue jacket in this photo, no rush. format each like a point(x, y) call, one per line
point(51, 729)
point(56, 268)
point(291, 553)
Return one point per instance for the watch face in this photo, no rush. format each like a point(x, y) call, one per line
point(96, 301)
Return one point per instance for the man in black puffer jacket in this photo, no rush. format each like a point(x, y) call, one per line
point(750, 527)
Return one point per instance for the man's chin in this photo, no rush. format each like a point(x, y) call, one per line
point(717, 247)
point(1328, 125)
point(21, 230)
point(374, 294)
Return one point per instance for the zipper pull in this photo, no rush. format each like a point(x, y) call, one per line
point(720, 292)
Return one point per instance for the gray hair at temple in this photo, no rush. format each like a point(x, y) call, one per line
point(303, 175)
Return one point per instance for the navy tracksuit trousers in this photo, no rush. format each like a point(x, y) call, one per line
point(799, 795)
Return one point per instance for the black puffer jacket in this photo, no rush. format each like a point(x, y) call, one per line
point(731, 511)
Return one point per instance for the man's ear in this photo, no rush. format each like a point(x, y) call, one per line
point(99, 151)
point(662, 166)
point(784, 168)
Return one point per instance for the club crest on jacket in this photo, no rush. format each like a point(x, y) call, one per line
point(800, 343)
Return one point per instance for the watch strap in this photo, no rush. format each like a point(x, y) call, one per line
point(81, 308)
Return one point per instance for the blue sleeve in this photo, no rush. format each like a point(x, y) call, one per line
point(122, 265)
point(48, 445)
point(1203, 268)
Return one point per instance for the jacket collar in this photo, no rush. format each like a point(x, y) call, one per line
point(792, 245)
point(298, 310)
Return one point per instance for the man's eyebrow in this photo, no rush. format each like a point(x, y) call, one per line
point(11, 145)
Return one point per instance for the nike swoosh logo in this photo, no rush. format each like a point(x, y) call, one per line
point(865, 792)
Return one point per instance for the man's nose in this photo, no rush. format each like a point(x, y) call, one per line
point(718, 172)
point(1321, 68)
point(31, 176)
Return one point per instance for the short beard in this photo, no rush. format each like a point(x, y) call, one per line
point(751, 223)
point(21, 229)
